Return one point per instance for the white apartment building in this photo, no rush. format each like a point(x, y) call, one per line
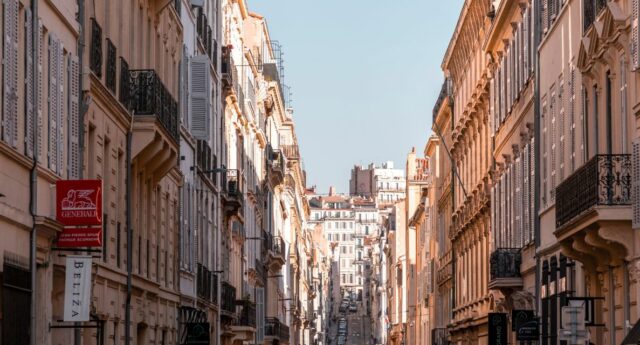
point(383, 183)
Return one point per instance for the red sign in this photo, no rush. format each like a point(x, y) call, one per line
point(80, 237)
point(79, 202)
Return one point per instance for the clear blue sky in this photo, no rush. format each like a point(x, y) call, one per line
point(364, 75)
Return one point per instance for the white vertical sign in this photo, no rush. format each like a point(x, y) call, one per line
point(77, 292)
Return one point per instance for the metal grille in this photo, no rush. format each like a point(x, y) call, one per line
point(111, 66)
point(505, 263)
point(228, 301)
point(125, 87)
point(591, 9)
point(604, 180)
point(95, 54)
point(151, 97)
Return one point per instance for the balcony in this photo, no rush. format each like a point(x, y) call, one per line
point(590, 11)
point(151, 98)
point(228, 299)
point(232, 196)
point(276, 257)
point(238, 231)
point(227, 68)
point(604, 181)
point(445, 268)
point(445, 94)
point(206, 160)
point(247, 314)
point(207, 285)
point(277, 165)
point(291, 152)
point(95, 54)
point(260, 270)
point(155, 129)
point(594, 213)
point(439, 336)
point(275, 330)
point(504, 266)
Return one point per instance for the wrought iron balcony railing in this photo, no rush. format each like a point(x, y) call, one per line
point(207, 284)
point(233, 186)
point(228, 297)
point(151, 97)
point(505, 263)
point(125, 84)
point(278, 246)
point(274, 328)
point(227, 67)
point(206, 160)
point(590, 11)
point(445, 92)
point(605, 180)
point(276, 159)
point(439, 336)
point(248, 314)
point(95, 54)
point(110, 78)
point(291, 151)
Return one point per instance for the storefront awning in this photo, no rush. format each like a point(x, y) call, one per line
point(633, 338)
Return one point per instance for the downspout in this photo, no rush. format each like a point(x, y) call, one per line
point(536, 149)
point(33, 197)
point(83, 109)
point(127, 310)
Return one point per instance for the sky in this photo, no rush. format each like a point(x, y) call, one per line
point(364, 76)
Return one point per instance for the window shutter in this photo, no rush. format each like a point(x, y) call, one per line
point(525, 46)
point(29, 85)
point(10, 73)
point(53, 102)
point(636, 184)
point(572, 115)
point(200, 119)
point(518, 229)
point(39, 102)
point(526, 226)
point(561, 131)
point(544, 15)
point(532, 189)
point(184, 88)
point(494, 211)
point(492, 96)
point(74, 118)
point(260, 315)
point(553, 145)
point(635, 36)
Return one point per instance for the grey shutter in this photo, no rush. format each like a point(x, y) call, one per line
point(561, 130)
point(200, 95)
point(10, 73)
point(636, 184)
point(260, 317)
point(532, 189)
point(29, 86)
point(572, 116)
point(53, 102)
point(635, 36)
point(40, 95)
point(494, 211)
point(74, 118)
point(526, 228)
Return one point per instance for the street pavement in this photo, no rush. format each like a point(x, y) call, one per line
point(358, 326)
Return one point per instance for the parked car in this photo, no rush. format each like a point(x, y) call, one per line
point(353, 308)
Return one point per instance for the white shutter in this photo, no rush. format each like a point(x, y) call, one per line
point(561, 131)
point(184, 88)
point(494, 210)
point(552, 109)
point(200, 95)
point(532, 189)
point(260, 317)
point(29, 86)
point(526, 225)
point(10, 73)
point(635, 180)
point(635, 36)
point(518, 229)
point(525, 45)
point(74, 118)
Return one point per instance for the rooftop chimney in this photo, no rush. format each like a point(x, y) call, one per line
point(332, 190)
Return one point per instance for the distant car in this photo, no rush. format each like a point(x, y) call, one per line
point(353, 308)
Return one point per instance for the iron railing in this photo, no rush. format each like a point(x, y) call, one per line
point(291, 151)
point(276, 159)
point(205, 159)
point(111, 67)
point(277, 247)
point(151, 97)
point(95, 54)
point(605, 180)
point(228, 297)
point(505, 263)
point(207, 284)
point(232, 183)
point(248, 314)
point(274, 328)
point(590, 11)
point(445, 92)
point(125, 84)
point(439, 336)
point(227, 67)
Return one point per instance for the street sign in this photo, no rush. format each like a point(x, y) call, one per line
point(79, 202)
point(573, 330)
point(80, 237)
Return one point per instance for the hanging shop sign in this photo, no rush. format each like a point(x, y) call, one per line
point(79, 202)
point(80, 237)
point(77, 292)
point(525, 324)
point(498, 328)
point(198, 333)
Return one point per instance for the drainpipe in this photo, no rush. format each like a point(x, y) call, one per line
point(127, 311)
point(536, 148)
point(83, 109)
point(33, 184)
